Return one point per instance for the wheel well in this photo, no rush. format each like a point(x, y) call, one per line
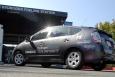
point(17, 51)
point(69, 50)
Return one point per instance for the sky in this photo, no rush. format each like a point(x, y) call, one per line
point(80, 12)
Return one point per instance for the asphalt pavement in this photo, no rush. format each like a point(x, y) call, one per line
point(10, 70)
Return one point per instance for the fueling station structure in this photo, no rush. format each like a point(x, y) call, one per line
point(20, 22)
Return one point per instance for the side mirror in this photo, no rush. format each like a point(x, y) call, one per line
point(28, 39)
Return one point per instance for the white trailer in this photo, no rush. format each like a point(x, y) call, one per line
point(1, 42)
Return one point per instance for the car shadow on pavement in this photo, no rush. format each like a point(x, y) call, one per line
point(52, 66)
point(64, 67)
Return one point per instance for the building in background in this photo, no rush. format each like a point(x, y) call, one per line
point(20, 22)
point(68, 23)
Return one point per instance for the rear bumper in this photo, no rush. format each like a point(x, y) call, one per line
point(109, 58)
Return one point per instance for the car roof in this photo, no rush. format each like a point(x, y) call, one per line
point(79, 27)
point(82, 27)
point(73, 27)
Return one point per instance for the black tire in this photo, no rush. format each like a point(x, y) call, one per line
point(19, 59)
point(98, 66)
point(74, 60)
point(46, 65)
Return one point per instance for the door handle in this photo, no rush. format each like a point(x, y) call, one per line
point(41, 43)
point(66, 40)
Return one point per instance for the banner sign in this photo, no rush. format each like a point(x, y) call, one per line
point(26, 9)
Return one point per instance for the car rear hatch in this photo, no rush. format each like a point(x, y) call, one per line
point(108, 45)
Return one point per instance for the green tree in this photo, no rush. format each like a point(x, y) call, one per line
point(107, 27)
point(113, 29)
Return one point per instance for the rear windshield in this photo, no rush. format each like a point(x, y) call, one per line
point(107, 38)
point(104, 33)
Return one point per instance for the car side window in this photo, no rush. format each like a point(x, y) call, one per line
point(74, 31)
point(59, 31)
point(38, 36)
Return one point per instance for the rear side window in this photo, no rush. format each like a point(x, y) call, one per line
point(73, 31)
point(59, 31)
point(63, 31)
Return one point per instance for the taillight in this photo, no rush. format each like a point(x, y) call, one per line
point(96, 37)
point(114, 46)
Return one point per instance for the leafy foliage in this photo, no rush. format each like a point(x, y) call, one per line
point(108, 27)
